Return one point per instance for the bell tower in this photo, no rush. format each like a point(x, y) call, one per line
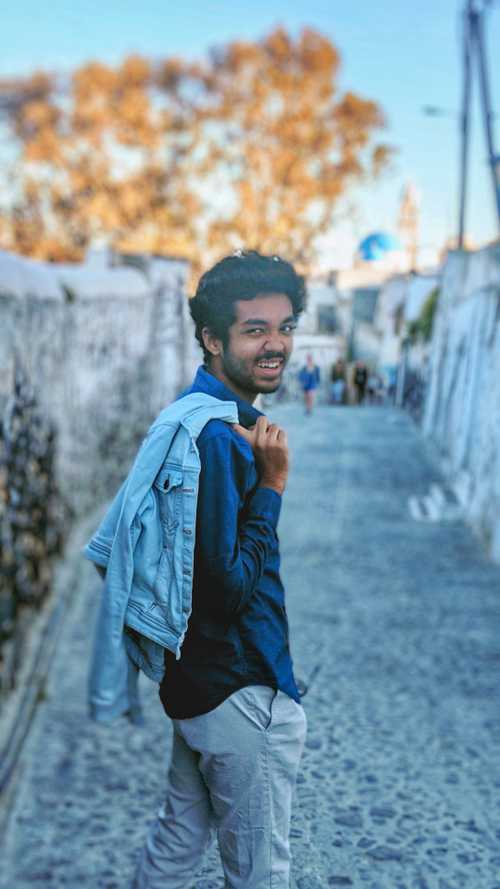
point(408, 222)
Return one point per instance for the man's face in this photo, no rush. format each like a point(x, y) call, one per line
point(259, 345)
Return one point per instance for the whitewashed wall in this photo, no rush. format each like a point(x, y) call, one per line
point(462, 412)
point(400, 301)
point(106, 348)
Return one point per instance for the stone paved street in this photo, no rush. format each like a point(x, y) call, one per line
point(397, 625)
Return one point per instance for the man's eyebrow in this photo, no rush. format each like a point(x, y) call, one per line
point(263, 323)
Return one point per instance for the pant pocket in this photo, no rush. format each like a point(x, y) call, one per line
point(259, 701)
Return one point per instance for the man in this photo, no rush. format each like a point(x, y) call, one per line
point(238, 725)
point(360, 379)
point(309, 377)
point(338, 382)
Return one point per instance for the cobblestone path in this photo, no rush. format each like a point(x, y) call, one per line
point(395, 623)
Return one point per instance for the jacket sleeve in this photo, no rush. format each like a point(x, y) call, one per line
point(98, 549)
point(236, 530)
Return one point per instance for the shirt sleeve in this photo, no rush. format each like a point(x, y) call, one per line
point(235, 530)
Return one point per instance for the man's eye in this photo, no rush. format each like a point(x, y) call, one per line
point(289, 328)
point(256, 330)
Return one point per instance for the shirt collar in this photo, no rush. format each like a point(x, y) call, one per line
point(204, 381)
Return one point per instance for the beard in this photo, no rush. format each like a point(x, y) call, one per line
point(241, 371)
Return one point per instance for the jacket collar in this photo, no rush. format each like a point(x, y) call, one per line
point(204, 381)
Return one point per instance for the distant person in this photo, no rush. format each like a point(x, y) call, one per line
point(338, 382)
point(375, 388)
point(309, 377)
point(360, 380)
point(389, 380)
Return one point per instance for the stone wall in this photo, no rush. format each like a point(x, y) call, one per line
point(106, 344)
point(462, 412)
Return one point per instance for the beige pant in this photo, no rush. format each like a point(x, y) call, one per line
point(232, 773)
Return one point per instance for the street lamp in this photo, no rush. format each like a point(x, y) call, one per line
point(437, 111)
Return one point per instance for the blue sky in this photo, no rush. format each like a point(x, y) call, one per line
point(404, 55)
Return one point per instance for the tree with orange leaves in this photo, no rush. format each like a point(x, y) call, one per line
point(291, 146)
point(255, 147)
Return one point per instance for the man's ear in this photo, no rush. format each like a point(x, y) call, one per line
point(211, 342)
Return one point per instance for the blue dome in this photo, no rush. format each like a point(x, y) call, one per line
point(377, 245)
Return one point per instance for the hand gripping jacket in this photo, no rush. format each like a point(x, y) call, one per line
point(146, 544)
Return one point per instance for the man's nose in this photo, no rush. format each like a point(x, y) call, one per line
point(276, 341)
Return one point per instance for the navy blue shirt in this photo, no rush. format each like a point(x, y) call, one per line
point(238, 629)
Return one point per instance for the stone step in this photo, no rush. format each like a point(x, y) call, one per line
point(440, 504)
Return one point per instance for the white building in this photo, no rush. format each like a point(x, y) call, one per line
point(321, 332)
point(400, 302)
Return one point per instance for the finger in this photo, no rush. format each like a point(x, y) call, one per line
point(247, 434)
point(261, 428)
point(281, 442)
point(273, 432)
point(262, 423)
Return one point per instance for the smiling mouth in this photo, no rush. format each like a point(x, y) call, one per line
point(271, 364)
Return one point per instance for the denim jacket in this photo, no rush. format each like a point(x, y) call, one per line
point(146, 544)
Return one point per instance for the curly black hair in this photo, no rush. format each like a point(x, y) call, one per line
point(244, 275)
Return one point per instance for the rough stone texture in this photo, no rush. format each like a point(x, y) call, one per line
point(105, 346)
point(462, 413)
point(395, 625)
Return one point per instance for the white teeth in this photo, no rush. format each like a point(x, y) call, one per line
point(271, 364)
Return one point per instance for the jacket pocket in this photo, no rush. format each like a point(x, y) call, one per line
point(167, 485)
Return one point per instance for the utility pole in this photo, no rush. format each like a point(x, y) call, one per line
point(474, 44)
point(493, 157)
point(465, 128)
